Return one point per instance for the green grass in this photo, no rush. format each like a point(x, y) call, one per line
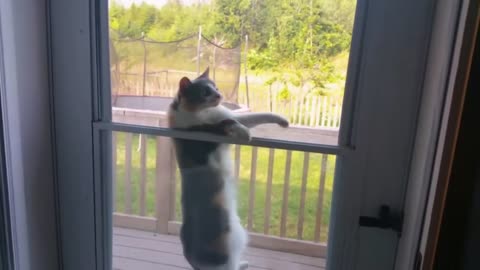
point(294, 194)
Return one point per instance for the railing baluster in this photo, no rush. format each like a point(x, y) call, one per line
point(163, 181)
point(286, 187)
point(143, 172)
point(321, 192)
point(114, 171)
point(253, 178)
point(306, 159)
point(268, 196)
point(173, 185)
point(128, 173)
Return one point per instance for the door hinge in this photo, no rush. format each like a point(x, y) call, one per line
point(387, 219)
point(418, 261)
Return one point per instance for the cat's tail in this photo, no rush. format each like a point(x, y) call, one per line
point(254, 119)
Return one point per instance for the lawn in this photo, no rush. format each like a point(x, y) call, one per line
point(294, 194)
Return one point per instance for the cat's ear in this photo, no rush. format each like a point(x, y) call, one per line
point(205, 74)
point(184, 83)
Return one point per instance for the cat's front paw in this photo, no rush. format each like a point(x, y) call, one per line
point(283, 122)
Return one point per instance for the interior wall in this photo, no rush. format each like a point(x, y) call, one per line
point(26, 114)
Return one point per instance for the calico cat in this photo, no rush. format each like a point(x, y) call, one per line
point(212, 235)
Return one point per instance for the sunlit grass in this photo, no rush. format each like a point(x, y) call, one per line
point(278, 177)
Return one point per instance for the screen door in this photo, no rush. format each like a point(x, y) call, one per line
point(346, 74)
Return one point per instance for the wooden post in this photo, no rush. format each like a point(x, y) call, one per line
point(329, 112)
point(144, 64)
point(199, 48)
point(143, 173)
point(286, 189)
point(246, 75)
point(116, 80)
point(253, 178)
point(307, 111)
point(128, 173)
point(324, 112)
point(318, 111)
point(338, 111)
point(288, 112)
point(295, 110)
point(173, 184)
point(270, 97)
point(268, 196)
point(313, 110)
point(214, 64)
point(321, 192)
point(303, 194)
point(163, 181)
point(114, 170)
point(301, 108)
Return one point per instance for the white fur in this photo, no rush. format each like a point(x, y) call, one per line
point(212, 115)
point(238, 237)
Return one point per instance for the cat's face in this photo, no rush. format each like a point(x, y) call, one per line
point(198, 94)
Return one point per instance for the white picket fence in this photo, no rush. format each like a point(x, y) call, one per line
point(301, 110)
point(311, 111)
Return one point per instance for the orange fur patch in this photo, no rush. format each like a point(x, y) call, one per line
point(171, 120)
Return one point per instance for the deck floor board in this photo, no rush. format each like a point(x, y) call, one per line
point(139, 250)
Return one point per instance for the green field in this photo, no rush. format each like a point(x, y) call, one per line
point(294, 194)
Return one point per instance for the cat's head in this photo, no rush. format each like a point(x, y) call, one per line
point(198, 94)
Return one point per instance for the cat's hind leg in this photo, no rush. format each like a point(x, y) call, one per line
point(238, 244)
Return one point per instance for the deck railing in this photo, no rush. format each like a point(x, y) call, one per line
point(286, 192)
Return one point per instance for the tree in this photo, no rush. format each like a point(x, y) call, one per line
point(294, 37)
point(235, 19)
point(134, 21)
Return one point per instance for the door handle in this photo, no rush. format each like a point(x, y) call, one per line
point(387, 219)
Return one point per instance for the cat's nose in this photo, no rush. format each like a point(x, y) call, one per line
point(218, 95)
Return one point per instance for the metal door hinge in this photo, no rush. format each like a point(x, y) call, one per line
point(387, 219)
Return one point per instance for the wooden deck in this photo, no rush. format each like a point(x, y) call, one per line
point(139, 250)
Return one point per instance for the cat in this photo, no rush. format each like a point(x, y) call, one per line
point(212, 235)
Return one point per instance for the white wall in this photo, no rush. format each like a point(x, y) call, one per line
point(25, 97)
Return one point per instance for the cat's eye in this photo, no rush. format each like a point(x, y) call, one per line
point(205, 92)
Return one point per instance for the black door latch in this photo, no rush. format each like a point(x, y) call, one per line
point(386, 220)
